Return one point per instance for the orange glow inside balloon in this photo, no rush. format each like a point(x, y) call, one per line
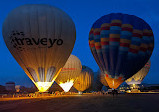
point(114, 83)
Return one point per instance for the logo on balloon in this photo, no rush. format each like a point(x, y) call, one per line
point(18, 40)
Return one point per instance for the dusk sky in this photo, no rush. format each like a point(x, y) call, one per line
point(84, 13)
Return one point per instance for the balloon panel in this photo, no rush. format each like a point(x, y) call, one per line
point(121, 45)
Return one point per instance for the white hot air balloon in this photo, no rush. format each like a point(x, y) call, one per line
point(69, 73)
point(40, 38)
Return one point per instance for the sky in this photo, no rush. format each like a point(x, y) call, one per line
point(84, 13)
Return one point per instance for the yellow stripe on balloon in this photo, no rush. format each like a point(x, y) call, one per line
point(114, 35)
point(137, 31)
point(127, 25)
point(92, 42)
point(146, 31)
point(97, 30)
point(116, 21)
point(144, 45)
point(105, 25)
point(135, 47)
point(97, 44)
point(125, 41)
point(104, 39)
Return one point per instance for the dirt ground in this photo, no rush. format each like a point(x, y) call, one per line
point(85, 103)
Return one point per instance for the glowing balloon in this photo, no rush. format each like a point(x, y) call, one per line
point(69, 73)
point(140, 75)
point(40, 38)
point(121, 45)
point(85, 79)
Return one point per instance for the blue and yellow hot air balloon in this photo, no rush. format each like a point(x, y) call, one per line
point(121, 45)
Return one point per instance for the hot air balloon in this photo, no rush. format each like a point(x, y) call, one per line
point(140, 75)
point(69, 73)
point(121, 45)
point(102, 78)
point(85, 79)
point(40, 38)
point(97, 85)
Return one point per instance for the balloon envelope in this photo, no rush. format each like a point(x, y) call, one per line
point(121, 45)
point(85, 79)
point(40, 38)
point(140, 75)
point(69, 73)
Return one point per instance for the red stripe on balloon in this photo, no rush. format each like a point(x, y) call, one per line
point(127, 29)
point(146, 34)
point(96, 33)
point(137, 35)
point(120, 78)
point(114, 39)
point(91, 32)
point(104, 43)
point(92, 45)
point(124, 44)
point(133, 50)
point(66, 69)
point(98, 47)
point(115, 24)
point(143, 49)
point(105, 28)
point(106, 75)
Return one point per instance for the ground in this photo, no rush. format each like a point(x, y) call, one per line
point(84, 103)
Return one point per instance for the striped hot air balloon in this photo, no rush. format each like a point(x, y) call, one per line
point(121, 45)
point(85, 79)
